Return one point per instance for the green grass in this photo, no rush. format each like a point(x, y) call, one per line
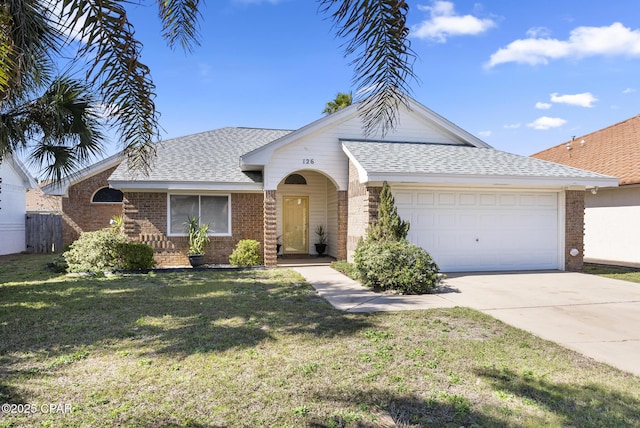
point(616, 272)
point(260, 348)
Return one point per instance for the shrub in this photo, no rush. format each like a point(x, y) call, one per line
point(134, 256)
point(396, 265)
point(104, 250)
point(246, 253)
point(389, 226)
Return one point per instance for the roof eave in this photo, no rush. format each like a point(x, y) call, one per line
point(142, 186)
point(61, 188)
point(492, 180)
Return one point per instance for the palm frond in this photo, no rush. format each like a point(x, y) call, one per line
point(180, 22)
point(27, 43)
point(377, 38)
point(123, 80)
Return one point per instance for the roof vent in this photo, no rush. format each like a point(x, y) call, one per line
point(569, 146)
point(582, 143)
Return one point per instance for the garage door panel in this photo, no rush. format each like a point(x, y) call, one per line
point(466, 231)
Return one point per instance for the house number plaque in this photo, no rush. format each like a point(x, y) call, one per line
point(307, 161)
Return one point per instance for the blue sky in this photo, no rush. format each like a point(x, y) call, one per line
point(521, 75)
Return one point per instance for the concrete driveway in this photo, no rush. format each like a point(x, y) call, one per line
point(598, 317)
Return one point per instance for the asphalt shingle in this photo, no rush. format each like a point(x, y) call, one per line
point(434, 159)
point(207, 157)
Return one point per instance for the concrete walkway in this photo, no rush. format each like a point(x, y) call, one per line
point(598, 317)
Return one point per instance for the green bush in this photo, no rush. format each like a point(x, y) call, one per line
point(103, 250)
point(396, 265)
point(246, 253)
point(134, 256)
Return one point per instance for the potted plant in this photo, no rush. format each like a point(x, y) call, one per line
point(198, 238)
point(321, 245)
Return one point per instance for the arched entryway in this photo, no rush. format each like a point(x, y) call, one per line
point(306, 200)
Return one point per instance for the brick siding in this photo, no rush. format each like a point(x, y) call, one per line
point(574, 230)
point(79, 214)
point(146, 221)
point(362, 209)
point(270, 231)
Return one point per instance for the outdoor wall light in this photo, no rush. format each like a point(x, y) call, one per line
point(574, 252)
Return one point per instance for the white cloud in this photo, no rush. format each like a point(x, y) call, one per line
point(628, 91)
point(443, 22)
point(585, 99)
point(512, 126)
point(614, 40)
point(536, 32)
point(543, 123)
point(485, 134)
point(543, 106)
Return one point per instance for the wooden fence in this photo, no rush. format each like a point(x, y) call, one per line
point(44, 233)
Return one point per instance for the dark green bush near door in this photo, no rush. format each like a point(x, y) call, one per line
point(396, 265)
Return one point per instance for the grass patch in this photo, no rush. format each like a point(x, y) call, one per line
point(349, 269)
point(615, 272)
point(260, 348)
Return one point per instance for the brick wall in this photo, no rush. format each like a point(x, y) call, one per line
point(362, 209)
point(270, 231)
point(79, 214)
point(574, 229)
point(146, 221)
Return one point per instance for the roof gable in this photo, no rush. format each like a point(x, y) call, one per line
point(61, 188)
point(21, 171)
point(421, 114)
point(614, 151)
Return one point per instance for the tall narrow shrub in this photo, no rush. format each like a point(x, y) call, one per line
point(389, 227)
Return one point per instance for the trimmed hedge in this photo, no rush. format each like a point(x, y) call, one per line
point(104, 250)
point(396, 265)
point(246, 253)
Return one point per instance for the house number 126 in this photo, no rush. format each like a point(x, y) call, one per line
point(308, 161)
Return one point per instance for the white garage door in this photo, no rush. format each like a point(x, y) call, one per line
point(483, 230)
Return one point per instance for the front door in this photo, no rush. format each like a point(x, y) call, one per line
point(295, 237)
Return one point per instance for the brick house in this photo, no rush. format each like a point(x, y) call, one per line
point(87, 202)
point(471, 206)
point(612, 234)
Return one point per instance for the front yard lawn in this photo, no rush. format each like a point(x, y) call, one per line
point(260, 348)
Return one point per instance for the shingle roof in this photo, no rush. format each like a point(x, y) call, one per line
point(614, 151)
point(439, 159)
point(208, 157)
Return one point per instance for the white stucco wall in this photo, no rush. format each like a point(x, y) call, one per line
point(612, 225)
point(13, 205)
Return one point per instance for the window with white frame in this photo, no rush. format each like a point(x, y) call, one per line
point(214, 210)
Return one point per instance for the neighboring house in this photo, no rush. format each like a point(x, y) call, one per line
point(39, 203)
point(88, 203)
point(612, 229)
point(472, 207)
point(15, 180)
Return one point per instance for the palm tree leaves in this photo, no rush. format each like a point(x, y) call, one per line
point(180, 22)
point(113, 65)
point(377, 38)
point(61, 125)
point(341, 101)
point(27, 41)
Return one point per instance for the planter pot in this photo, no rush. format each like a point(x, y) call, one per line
point(278, 248)
point(196, 260)
point(320, 249)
